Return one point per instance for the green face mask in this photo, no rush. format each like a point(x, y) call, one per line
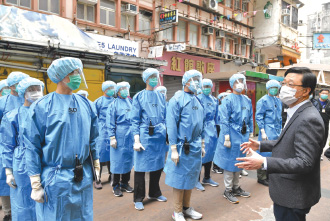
point(110, 93)
point(273, 91)
point(75, 81)
point(124, 93)
point(153, 82)
point(324, 97)
point(207, 91)
point(5, 92)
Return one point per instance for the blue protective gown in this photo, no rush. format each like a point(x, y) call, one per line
point(269, 117)
point(58, 128)
point(184, 118)
point(7, 103)
point(234, 109)
point(103, 142)
point(13, 156)
point(149, 106)
point(210, 131)
point(119, 123)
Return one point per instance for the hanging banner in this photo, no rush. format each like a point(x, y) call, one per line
point(321, 40)
point(117, 45)
point(156, 52)
point(176, 47)
point(169, 17)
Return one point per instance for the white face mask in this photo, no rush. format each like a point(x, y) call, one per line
point(287, 95)
point(33, 96)
point(239, 87)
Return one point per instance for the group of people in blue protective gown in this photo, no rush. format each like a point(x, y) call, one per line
point(53, 147)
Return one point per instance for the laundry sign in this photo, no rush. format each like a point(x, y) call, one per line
point(117, 45)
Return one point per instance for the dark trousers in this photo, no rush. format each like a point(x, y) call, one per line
point(140, 186)
point(207, 170)
point(288, 214)
point(124, 178)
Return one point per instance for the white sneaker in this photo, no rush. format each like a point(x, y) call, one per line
point(190, 212)
point(244, 173)
point(178, 216)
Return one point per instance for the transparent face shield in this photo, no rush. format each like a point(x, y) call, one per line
point(77, 80)
point(195, 83)
point(33, 93)
point(154, 80)
point(110, 91)
point(5, 90)
point(124, 92)
point(239, 85)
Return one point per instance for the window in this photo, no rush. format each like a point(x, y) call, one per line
point(22, 3)
point(245, 6)
point(286, 18)
point(107, 12)
point(237, 4)
point(181, 34)
point(228, 3)
point(218, 44)
point(168, 33)
point(205, 41)
point(127, 21)
point(294, 18)
point(50, 6)
point(193, 34)
point(236, 49)
point(227, 45)
point(145, 18)
point(243, 50)
point(85, 12)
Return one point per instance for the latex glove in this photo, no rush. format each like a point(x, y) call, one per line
point(137, 144)
point(175, 154)
point(97, 168)
point(203, 148)
point(10, 180)
point(263, 134)
point(113, 142)
point(227, 141)
point(251, 135)
point(38, 192)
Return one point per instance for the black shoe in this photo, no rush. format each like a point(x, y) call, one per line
point(116, 191)
point(217, 170)
point(264, 182)
point(7, 218)
point(126, 187)
point(240, 192)
point(228, 194)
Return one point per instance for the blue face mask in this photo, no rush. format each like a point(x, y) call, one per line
point(124, 93)
point(324, 96)
point(207, 91)
point(110, 93)
point(5, 92)
point(153, 82)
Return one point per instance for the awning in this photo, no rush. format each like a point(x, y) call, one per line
point(290, 52)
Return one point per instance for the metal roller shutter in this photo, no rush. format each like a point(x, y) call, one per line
point(173, 84)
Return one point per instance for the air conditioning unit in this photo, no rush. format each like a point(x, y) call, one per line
point(90, 2)
point(236, 41)
point(130, 9)
point(285, 12)
point(212, 4)
point(208, 31)
point(220, 34)
point(246, 41)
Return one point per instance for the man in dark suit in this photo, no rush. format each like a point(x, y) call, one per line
point(294, 168)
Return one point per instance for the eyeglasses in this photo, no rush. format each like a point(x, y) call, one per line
point(290, 84)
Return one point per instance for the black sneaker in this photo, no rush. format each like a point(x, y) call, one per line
point(126, 187)
point(264, 182)
point(7, 218)
point(240, 192)
point(116, 191)
point(228, 194)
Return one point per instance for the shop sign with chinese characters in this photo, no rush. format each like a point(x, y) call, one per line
point(180, 63)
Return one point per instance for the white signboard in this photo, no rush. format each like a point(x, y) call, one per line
point(117, 45)
point(156, 52)
point(176, 47)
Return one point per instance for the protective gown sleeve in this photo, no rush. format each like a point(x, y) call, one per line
point(2, 107)
point(94, 135)
point(111, 119)
point(34, 136)
point(172, 118)
point(251, 118)
point(136, 115)
point(225, 112)
point(97, 107)
point(8, 137)
point(260, 113)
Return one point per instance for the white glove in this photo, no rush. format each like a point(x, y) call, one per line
point(227, 141)
point(113, 142)
point(263, 134)
point(137, 144)
point(203, 148)
point(38, 192)
point(175, 154)
point(251, 135)
point(97, 168)
point(10, 180)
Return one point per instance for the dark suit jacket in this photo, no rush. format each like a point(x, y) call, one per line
point(294, 168)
